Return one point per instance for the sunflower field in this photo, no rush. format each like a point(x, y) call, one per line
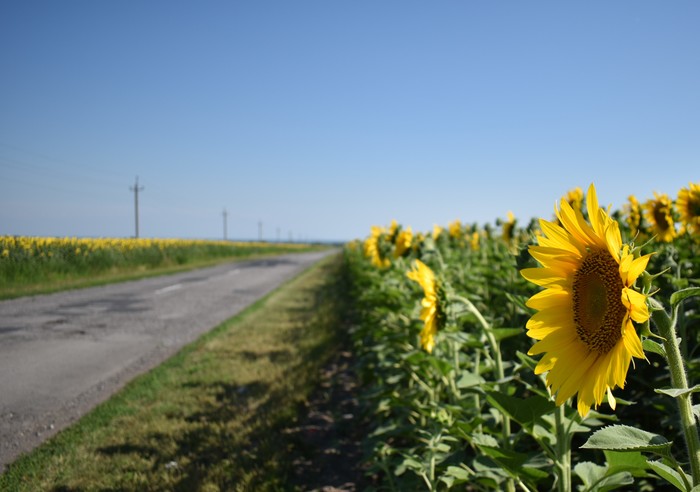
point(560, 355)
point(26, 260)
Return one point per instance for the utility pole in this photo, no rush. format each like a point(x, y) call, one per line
point(136, 188)
point(260, 230)
point(278, 234)
point(225, 216)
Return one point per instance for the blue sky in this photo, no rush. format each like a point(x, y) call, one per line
point(322, 118)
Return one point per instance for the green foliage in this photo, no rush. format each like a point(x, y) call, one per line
point(472, 413)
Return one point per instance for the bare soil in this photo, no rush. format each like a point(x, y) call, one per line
point(327, 441)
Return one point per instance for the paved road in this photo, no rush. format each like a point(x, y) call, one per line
point(61, 354)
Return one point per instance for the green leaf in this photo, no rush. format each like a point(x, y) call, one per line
point(524, 411)
point(484, 440)
point(441, 365)
point(696, 411)
point(410, 464)
point(681, 295)
point(503, 333)
point(626, 438)
point(600, 478)
point(468, 379)
point(460, 474)
point(512, 462)
point(676, 392)
point(416, 357)
point(669, 474)
point(630, 461)
point(589, 473)
point(654, 347)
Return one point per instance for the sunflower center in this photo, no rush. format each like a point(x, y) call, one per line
point(660, 217)
point(598, 308)
point(694, 207)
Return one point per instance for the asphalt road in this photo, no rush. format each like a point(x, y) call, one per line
point(62, 354)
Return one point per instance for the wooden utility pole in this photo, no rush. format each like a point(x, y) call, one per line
point(136, 188)
point(225, 217)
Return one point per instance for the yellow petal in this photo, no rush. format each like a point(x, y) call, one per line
point(549, 298)
point(575, 224)
point(613, 240)
point(632, 342)
point(636, 304)
point(546, 363)
point(636, 268)
point(543, 277)
point(556, 341)
point(558, 237)
point(593, 207)
point(573, 381)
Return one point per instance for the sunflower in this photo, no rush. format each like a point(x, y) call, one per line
point(437, 230)
point(509, 228)
point(393, 230)
point(432, 313)
point(633, 211)
point(575, 198)
point(403, 242)
point(688, 205)
point(372, 248)
point(474, 242)
point(418, 241)
point(585, 312)
point(455, 229)
point(658, 214)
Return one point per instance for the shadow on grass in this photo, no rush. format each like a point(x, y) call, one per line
point(235, 439)
point(208, 453)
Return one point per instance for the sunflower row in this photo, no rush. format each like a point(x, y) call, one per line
point(498, 357)
point(26, 259)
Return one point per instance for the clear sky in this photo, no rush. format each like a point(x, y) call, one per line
point(322, 118)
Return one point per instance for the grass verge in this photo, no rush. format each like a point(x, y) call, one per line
point(78, 280)
point(208, 418)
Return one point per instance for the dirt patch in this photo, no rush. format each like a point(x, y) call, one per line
point(327, 442)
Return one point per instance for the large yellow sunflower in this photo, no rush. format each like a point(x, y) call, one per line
point(432, 313)
point(658, 214)
point(688, 205)
point(585, 312)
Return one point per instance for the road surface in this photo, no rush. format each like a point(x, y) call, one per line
point(61, 354)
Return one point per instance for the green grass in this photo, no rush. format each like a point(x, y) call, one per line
point(49, 282)
point(209, 418)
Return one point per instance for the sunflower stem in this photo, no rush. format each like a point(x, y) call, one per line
point(477, 370)
point(500, 373)
point(563, 450)
point(667, 329)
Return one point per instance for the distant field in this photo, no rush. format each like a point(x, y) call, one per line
point(33, 265)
